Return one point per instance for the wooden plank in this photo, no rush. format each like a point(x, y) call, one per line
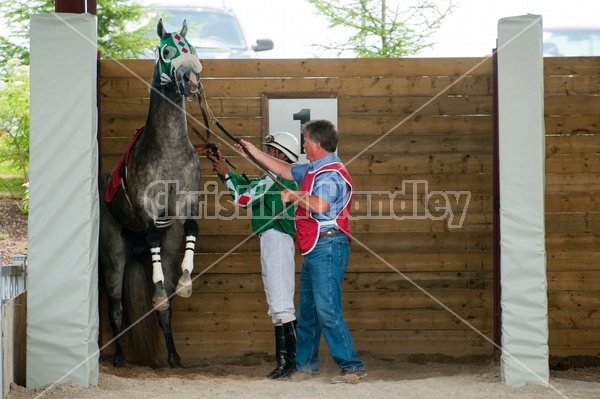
point(370, 320)
point(581, 338)
point(572, 260)
point(566, 351)
point(572, 222)
point(573, 299)
point(571, 85)
point(355, 67)
point(451, 241)
point(571, 125)
point(425, 223)
point(402, 107)
point(225, 283)
point(125, 126)
point(201, 344)
point(388, 144)
point(402, 204)
point(574, 319)
point(240, 107)
point(379, 162)
point(475, 183)
point(576, 105)
point(558, 242)
point(125, 68)
point(409, 107)
point(573, 280)
point(364, 86)
point(572, 202)
point(568, 66)
point(393, 145)
point(570, 182)
point(410, 299)
point(397, 281)
point(568, 163)
point(360, 262)
point(14, 345)
point(588, 145)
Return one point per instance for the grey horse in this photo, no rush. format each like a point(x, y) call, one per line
point(149, 203)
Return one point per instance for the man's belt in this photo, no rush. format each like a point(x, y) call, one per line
point(330, 232)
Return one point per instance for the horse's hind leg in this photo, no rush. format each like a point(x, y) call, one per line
point(112, 271)
point(184, 286)
point(116, 324)
point(160, 299)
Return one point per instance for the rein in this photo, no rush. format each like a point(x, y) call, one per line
point(236, 140)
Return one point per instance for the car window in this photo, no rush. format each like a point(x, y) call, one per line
point(572, 42)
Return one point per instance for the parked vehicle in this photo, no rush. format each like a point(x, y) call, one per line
point(571, 41)
point(215, 32)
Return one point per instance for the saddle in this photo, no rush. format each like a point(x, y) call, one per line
point(118, 178)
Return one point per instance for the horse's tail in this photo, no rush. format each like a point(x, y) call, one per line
point(143, 337)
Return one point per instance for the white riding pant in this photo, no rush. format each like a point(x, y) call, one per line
point(278, 273)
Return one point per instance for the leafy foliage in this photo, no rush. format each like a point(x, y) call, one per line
point(14, 116)
point(380, 30)
point(115, 37)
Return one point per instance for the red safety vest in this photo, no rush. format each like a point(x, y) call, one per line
point(307, 227)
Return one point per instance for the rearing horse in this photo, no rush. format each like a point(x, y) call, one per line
point(149, 198)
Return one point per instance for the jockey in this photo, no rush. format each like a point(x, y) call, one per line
point(273, 222)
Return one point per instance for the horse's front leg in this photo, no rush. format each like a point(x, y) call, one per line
point(184, 286)
point(160, 299)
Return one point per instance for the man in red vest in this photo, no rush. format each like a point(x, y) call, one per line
point(323, 237)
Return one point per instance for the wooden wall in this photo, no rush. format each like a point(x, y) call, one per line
point(572, 109)
point(418, 281)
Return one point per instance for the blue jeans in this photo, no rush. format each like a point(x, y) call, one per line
point(320, 307)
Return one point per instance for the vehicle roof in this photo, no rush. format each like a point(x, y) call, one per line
point(572, 28)
point(222, 10)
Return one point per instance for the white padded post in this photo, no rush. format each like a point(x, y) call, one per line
point(62, 299)
point(522, 180)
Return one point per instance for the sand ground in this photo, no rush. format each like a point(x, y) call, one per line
point(404, 376)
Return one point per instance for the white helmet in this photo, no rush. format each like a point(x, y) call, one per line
point(286, 143)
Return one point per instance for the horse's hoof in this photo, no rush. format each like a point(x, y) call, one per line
point(174, 361)
point(184, 286)
point(120, 362)
point(160, 301)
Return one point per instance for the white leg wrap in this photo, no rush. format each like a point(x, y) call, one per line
point(188, 257)
point(157, 272)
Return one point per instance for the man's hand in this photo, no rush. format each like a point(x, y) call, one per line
point(289, 196)
point(251, 148)
point(311, 203)
point(218, 163)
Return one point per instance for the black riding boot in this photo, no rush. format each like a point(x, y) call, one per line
point(285, 350)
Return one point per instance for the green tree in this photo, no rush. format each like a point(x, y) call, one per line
point(14, 116)
point(115, 37)
point(379, 29)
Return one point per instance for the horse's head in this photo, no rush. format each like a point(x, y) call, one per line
point(177, 61)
